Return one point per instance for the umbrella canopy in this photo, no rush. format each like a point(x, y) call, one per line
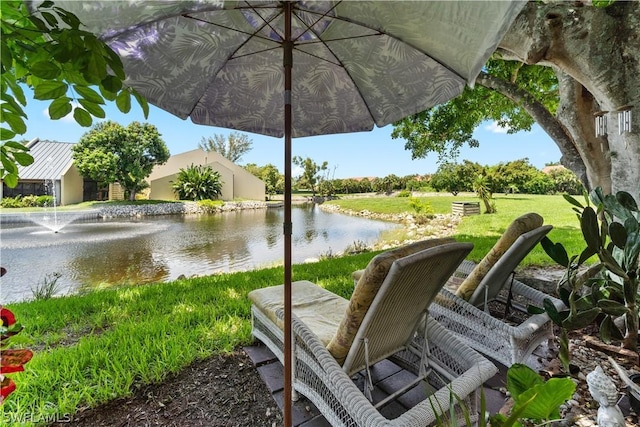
point(298, 68)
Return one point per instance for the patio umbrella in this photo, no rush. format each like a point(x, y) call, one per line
point(298, 68)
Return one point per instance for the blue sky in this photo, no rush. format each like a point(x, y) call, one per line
point(372, 153)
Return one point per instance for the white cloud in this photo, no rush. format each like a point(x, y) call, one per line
point(496, 128)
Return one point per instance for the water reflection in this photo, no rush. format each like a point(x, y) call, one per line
point(163, 248)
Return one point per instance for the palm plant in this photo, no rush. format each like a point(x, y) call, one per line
point(198, 183)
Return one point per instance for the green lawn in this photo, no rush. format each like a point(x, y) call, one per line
point(484, 230)
point(93, 348)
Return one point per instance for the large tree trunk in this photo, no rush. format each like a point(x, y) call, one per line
point(595, 52)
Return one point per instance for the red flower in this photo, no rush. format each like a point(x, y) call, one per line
point(13, 359)
point(7, 317)
point(8, 387)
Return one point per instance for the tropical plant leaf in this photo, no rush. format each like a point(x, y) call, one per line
point(581, 319)
point(627, 201)
point(590, 228)
point(612, 307)
point(609, 332)
point(521, 378)
point(573, 201)
point(548, 398)
point(556, 251)
point(618, 234)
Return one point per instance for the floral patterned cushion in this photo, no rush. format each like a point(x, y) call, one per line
point(366, 290)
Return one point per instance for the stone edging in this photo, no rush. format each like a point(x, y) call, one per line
point(176, 208)
point(441, 225)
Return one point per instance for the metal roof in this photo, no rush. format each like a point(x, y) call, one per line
point(51, 159)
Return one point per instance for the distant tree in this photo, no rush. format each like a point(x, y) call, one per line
point(111, 153)
point(270, 175)
point(455, 177)
point(565, 181)
point(231, 148)
point(62, 64)
point(310, 172)
point(198, 183)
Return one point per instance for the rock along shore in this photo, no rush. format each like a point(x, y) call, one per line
point(176, 208)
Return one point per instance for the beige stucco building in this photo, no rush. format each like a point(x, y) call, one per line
point(237, 182)
point(52, 172)
point(53, 165)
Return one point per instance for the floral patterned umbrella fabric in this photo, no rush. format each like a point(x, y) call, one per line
point(298, 68)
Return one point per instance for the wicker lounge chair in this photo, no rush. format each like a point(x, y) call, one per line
point(495, 320)
point(337, 339)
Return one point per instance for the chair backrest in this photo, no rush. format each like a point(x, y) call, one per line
point(365, 291)
point(496, 278)
point(401, 302)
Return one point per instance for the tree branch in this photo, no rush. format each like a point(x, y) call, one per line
point(570, 155)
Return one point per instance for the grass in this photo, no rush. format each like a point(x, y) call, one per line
point(95, 347)
point(484, 230)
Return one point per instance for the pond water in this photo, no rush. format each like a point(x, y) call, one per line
point(151, 249)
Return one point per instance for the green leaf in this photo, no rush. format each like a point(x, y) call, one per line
point(573, 201)
point(111, 84)
point(50, 90)
point(585, 255)
point(143, 103)
point(16, 146)
point(23, 159)
point(556, 251)
point(5, 55)
point(552, 311)
point(6, 134)
point(532, 309)
point(82, 117)
point(521, 378)
point(15, 122)
point(92, 108)
point(123, 101)
point(597, 196)
point(51, 20)
point(11, 180)
point(609, 332)
point(38, 23)
point(631, 251)
point(18, 93)
point(627, 201)
point(582, 319)
point(60, 108)
point(89, 94)
point(611, 307)
point(548, 398)
point(618, 234)
point(8, 165)
point(590, 228)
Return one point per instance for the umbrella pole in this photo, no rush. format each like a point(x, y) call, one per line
point(288, 348)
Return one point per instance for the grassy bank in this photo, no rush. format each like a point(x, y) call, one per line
point(93, 348)
point(484, 230)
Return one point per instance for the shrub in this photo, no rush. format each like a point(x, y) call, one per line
point(210, 206)
point(198, 183)
point(43, 201)
point(12, 202)
point(404, 193)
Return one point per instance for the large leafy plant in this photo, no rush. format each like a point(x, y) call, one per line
point(607, 291)
point(197, 183)
point(534, 399)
